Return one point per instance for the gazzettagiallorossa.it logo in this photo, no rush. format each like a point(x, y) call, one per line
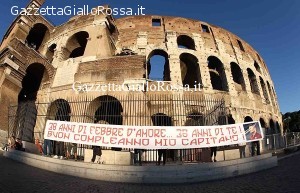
point(74, 10)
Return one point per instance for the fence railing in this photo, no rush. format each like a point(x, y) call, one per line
point(180, 109)
point(278, 141)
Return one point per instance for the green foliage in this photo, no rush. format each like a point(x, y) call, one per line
point(291, 121)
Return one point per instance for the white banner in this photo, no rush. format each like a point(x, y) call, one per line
point(152, 137)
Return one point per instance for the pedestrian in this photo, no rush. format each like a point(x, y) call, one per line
point(47, 147)
point(213, 153)
point(162, 153)
point(138, 156)
point(96, 152)
point(242, 149)
point(70, 147)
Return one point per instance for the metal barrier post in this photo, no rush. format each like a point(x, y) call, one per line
point(274, 142)
point(285, 140)
point(294, 139)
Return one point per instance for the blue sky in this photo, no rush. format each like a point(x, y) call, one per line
point(272, 27)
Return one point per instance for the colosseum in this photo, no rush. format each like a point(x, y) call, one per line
point(47, 71)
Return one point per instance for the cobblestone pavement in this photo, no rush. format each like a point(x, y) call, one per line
point(17, 177)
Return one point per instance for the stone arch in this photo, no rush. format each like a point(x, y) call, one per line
point(161, 119)
point(195, 119)
point(50, 52)
point(37, 35)
point(237, 76)
point(248, 119)
point(76, 44)
point(217, 74)
point(257, 67)
point(35, 75)
point(186, 42)
point(31, 82)
point(222, 119)
point(278, 129)
point(271, 93)
point(59, 110)
point(271, 127)
point(230, 119)
point(264, 89)
point(49, 68)
point(262, 123)
point(156, 64)
point(105, 108)
point(253, 81)
point(190, 71)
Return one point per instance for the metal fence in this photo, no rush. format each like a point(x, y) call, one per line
point(180, 109)
point(278, 141)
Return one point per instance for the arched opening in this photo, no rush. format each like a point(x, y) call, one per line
point(38, 34)
point(195, 119)
point(248, 119)
point(253, 81)
point(264, 89)
point(35, 75)
point(106, 110)
point(76, 45)
point(230, 119)
point(186, 42)
point(278, 129)
point(109, 110)
point(274, 95)
point(257, 67)
point(217, 74)
point(270, 92)
point(158, 66)
point(50, 52)
point(27, 110)
point(272, 127)
point(262, 123)
point(222, 119)
point(59, 110)
point(237, 77)
point(190, 71)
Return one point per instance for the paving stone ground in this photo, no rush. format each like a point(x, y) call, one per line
point(18, 177)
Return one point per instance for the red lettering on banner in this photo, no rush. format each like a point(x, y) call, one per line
point(156, 133)
point(66, 127)
point(82, 128)
point(52, 126)
point(59, 135)
point(184, 142)
point(201, 132)
point(230, 138)
point(231, 130)
point(181, 133)
point(219, 131)
point(129, 131)
point(165, 142)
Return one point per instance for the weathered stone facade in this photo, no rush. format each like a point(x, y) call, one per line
point(100, 49)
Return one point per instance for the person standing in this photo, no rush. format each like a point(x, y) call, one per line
point(47, 147)
point(138, 156)
point(59, 150)
point(213, 153)
point(242, 149)
point(96, 152)
point(69, 149)
point(162, 153)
